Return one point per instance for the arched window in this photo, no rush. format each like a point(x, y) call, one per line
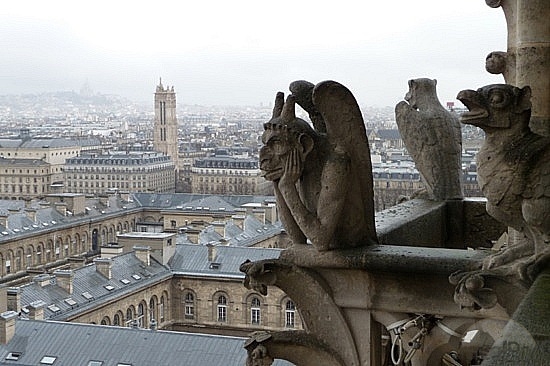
point(189, 306)
point(129, 316)
point(106, 321)
point(161, 309)
point(255, 311)
point(290, 314)
point(222, 308)
point(140, 313)
point(152, 307)
point(116, 320)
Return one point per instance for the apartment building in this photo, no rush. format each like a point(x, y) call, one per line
point(133, 171)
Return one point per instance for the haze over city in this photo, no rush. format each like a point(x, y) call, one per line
point(241, 53)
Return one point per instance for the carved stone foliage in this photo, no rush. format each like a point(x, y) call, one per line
point(322, 176)
point(432, 137)
point(514, 175)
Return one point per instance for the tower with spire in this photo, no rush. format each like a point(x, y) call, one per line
point(165, 133)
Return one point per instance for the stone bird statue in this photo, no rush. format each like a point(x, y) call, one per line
point(433, 138)
point(513, 169)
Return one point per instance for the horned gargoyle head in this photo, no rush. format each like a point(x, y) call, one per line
point(283, 133)
point(496, 106)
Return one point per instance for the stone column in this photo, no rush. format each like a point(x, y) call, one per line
point(528, 54)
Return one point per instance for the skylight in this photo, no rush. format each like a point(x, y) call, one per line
point(13, 356)
point(70, 302)
point(125, 281)
point(54, 308)
point(136, 277)
point(48, 360)
point(87, 295)
point(109, 287)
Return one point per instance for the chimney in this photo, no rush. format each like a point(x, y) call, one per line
point(31, 214)
point(28, 201)
point(125, 196)
point(7, 326)
point(143, 254)
point(259, 213)
point(61, 207)
point(42, 279)
point(212, 252)
point(111, 250)
point(64, 279)
point(270, 212)
point(239, 221)
point(219, 227)
point(14, 299)
point(36, 310)
point(193, 235)
point(4, 221)
point(104, 200)
point(104, 266)
point(76, 262)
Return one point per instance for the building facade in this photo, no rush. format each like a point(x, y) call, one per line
point(126, 171)
point(24, 178)
point(226, 175)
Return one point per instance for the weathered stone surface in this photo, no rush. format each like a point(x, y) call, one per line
point(526, 339)
point(432, 137)
point(513, 168)
point(322, 181)
point(527, 60)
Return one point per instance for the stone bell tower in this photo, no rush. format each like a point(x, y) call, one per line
point(165, 135)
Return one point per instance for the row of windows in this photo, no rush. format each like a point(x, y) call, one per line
point(136, 317)
point(27, 179)
point(13, 171)
point(222, 179)
point(221, 310)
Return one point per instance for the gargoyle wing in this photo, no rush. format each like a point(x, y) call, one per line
point(345, 130)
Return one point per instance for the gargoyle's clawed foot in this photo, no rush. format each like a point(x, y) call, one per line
point(470, 290)
point(508, 255)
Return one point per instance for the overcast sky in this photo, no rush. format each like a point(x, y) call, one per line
point(242, 52)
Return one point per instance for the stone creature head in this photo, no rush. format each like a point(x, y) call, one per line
point(283, 133)
point(496, 106)
point(420, 91)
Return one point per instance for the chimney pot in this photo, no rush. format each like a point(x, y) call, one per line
point(104, 266)
point(36, 310)
point(7, 326)
point(143, 254)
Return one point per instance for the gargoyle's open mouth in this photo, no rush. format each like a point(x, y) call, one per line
point(476, 109)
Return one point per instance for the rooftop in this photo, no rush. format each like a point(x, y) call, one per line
point(81, 344)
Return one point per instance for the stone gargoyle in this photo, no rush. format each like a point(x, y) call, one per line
point(514, 175)
point(322, 175)
point(432, 136)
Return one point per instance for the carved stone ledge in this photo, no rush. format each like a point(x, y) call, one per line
point(392, 258)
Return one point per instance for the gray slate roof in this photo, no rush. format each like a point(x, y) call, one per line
point(175, 200)
point(78, 344)
point(192, 259)
point(87, 279)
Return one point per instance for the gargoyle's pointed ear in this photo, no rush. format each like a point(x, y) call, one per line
point(289, 111)
point(524, 99)
point(279, 102)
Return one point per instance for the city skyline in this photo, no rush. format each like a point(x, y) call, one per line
point(220, 53)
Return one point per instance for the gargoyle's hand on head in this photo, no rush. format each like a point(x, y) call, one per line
point(293, 168)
